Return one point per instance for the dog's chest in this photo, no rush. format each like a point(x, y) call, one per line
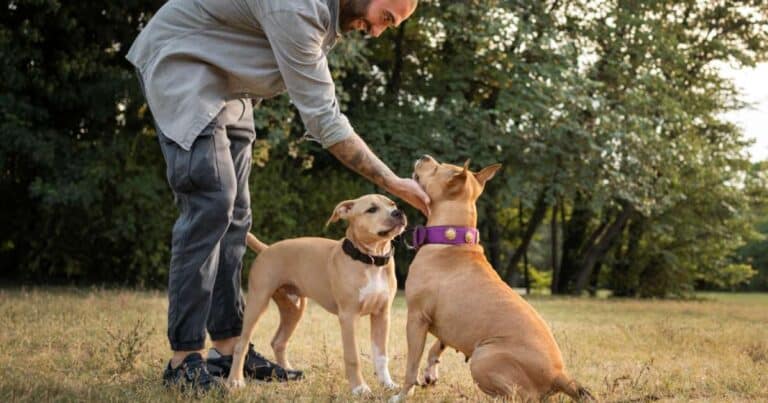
point(374, 294)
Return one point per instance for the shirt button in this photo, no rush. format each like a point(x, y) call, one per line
point(210, 113)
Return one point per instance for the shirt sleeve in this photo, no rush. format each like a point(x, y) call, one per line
point(296, 38)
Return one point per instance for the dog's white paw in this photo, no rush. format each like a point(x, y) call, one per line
point(430, 375)
point(390, 385)
point(235, 383)
point(361, 390)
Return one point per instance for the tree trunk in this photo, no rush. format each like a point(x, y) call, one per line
point(598, 249)
point(594, 280)
point(397, 67)
point(626, 272)
point(536, 218)
point(527, 278)
point(554, 244)
point(574, 234)
point(493, 241)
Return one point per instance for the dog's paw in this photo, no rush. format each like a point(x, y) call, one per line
point(430, 375)
point(390, 385)
point(235, 383)
point(361, 390)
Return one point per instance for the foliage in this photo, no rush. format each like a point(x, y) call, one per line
point(755, 252)
point(540, 280)
point(607, 117)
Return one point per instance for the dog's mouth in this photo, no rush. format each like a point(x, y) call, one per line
point(416, 178)
point(399, 227)
point(416, 164)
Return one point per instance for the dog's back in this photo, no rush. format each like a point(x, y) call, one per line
point(296, 264)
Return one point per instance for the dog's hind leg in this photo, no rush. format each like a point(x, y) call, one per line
point(291, 308)
point(433, 358)
point(498, 374)
point(563, 383)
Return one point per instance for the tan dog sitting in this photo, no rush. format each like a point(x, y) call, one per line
point(349, 278)
point(454, 293)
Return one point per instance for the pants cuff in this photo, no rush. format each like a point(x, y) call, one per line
point(226, 334)
point(187, 345)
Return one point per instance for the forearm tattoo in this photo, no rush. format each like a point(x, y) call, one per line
point(355, 154)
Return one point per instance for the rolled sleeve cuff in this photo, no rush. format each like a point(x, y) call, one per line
point(336, 131)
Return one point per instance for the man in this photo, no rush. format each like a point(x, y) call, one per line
point(201, 63)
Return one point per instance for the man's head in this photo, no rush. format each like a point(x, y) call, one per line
point(374, 16)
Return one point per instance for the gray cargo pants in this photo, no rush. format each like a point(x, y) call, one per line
point(210, 187)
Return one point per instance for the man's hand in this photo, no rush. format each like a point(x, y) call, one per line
point(355, 154)
point(411, 192)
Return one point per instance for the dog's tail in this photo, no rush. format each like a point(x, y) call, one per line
point(254, 243)
point(573, 389)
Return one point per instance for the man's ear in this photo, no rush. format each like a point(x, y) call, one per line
point(341, 212)
point(487, 173)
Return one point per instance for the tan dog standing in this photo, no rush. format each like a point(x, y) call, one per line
point(454, 293)
point(293, 270)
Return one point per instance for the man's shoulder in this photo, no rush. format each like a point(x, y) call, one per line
point(299, 14)
point(271, 6)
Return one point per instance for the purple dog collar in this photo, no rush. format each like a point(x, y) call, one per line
point(446, 235)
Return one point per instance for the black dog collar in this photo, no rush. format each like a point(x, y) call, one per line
point(356, 254)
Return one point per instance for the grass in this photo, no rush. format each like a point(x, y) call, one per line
point(64, 344)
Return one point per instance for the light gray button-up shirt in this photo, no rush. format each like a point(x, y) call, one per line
point(195, 54)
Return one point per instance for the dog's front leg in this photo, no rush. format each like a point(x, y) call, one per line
point(416, 331)
point(379, 337)
point(348, 320)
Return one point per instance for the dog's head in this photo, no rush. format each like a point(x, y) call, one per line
point(444, 182)
point(372, 218)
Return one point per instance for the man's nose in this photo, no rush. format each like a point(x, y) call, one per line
point(425, 157)
point(376, 31)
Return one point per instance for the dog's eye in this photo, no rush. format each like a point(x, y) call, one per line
point(372, 210)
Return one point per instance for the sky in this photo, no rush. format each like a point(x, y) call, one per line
point(753, 83)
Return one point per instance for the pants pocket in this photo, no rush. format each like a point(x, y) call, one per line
point(202, 170)
point(196, 169)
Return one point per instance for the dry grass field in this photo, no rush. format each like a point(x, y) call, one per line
point(64, 344)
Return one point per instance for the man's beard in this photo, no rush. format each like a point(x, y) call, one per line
point(352, 10)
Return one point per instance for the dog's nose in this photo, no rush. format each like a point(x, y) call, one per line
point(397, 213)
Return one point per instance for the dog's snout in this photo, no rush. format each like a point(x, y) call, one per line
point(397, 213)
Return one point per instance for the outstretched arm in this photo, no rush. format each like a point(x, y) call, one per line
point(355, 154)
point(296, 39)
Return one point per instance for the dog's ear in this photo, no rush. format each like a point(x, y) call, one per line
point(341, 212)
point(456, 184)
point(487, 173)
